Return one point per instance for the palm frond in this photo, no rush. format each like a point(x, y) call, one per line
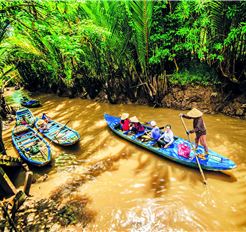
point(140, 13)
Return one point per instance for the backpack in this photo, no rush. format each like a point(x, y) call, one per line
point(184, 150)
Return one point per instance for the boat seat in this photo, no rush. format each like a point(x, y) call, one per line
point(24, 114)
point(54, 129)
point(52, 125)
point(52, 133)
point(136, 136)
point(23, 139)
point(23, 144)
point(61, 133)
point(71, 134)
point(26, 135)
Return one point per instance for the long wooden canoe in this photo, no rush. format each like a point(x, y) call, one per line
point(59, 133)
point(213, 162)
point(31, 146)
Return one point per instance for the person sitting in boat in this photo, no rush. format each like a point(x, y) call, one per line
point(42, 125)
point(125, 122)
point(45, 118)
point(198, 127)
point(136, 126)
point(155, 132)
point(23, 121)
point(167, 137)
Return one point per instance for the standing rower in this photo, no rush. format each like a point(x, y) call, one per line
point(198, 127)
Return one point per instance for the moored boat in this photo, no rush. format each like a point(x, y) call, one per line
point(25, 115)
point(30, 102)
point(213, 162)
point(57, 132)
point(31, 147)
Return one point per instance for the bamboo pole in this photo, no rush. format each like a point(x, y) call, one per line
point(197, 160)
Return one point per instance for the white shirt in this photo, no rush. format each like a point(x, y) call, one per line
point(167, 137)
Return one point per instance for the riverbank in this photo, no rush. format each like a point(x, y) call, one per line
point(209, 99)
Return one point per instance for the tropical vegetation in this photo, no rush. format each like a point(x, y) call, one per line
point(134, 48)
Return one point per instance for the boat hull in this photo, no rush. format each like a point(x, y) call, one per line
point(30, 103)
point(24, 141)
point(59, 133)
point(213, 162)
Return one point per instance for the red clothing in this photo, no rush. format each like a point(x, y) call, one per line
point(23, 122)
point(125, 124)
point(139, 127)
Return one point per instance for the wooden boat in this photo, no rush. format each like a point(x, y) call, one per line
point(30, 102)
point(58, 133)
point(31, 146)
point(213, 161)
point(26, 115)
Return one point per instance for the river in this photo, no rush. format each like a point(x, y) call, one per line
point(131, 189)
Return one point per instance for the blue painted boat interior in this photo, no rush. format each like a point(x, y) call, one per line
point(67, 136)
point(25, 140)
point(213, 161)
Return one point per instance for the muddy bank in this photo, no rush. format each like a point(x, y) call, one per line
point(209, 99)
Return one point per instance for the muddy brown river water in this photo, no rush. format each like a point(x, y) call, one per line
point(131, 189)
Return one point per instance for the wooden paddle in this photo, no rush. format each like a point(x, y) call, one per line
point(197, 160)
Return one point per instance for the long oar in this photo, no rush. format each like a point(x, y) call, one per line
point(197, 160)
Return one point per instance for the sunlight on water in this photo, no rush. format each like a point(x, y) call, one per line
point(131, 189)
point(75, 124)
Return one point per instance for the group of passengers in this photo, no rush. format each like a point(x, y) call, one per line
point(166, 138)
point(163, 139)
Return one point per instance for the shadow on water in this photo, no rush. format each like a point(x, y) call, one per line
point(76, 148)
point(160, 180)
point(175, 189)
point(52, 214)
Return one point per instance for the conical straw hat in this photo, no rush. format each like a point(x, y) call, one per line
point(194, 113)
point(134, 119)
point(124, 116)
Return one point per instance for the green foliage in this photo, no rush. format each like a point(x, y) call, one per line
point(140, 15)
point(197, 75)
point(54, 42)
point(184, 35)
